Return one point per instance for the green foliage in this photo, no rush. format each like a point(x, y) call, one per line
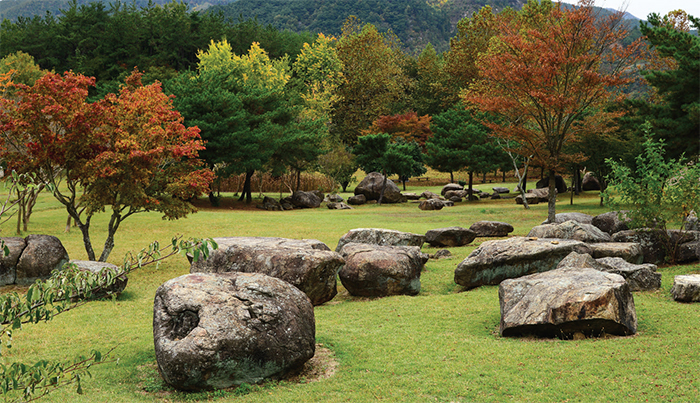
point(413, 21)
point(461, 142)
point(656, 192)
point(677, 118)
point(375, 82)
point(377, 153)
point(24, 69)
point(338, 164)
point(66, 290)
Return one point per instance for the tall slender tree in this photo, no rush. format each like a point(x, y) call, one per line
point(546, 67)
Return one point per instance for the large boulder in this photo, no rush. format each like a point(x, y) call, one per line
point(499, 189)
point(560, 218)
point(371, 187)
point(101, 268)
point(431, 204)
point(491, 228)
point(301, 199)
point(531, 198)
point(214, 331)
point(640, 277)
point(688, 252)
point(630, 251)
point(357, 200)
point(691, 222)
point(686, 288)
point(450, 236)
point(566, 301)
point(379, 271)
point(612, 222)
point(495, 261)
point(380, 236)
point(309, 265)
point(590, 182)
point(42, 255)
point(570, 230)
point(270, 204)
point(451, 187)
point(542, 194)
point(652, 242)
point(559, 183)
point(427, 194)
point(8, 264)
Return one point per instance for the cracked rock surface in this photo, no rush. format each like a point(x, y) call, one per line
point(214, 331)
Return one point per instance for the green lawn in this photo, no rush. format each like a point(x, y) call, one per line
point(442, 345)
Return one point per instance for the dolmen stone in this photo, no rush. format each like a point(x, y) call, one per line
point(640, 277)
point(612, 222)
point(429, 195)
point(270, 204)
point(499, 189)
point(566, 301)
point(301, 199)
point(497, 260)
point(441, 254)
point(650, 240)
point(630, 251)
point(451, 187)
point(380, 236)
point(431, 204)
point(338, 206)
point(531, 198)
point(371, 187)
point(686, 288)
point(8, 264)
point(570, 230)
point(691, 223)
point(42, 255)
point(307, 264)
point(380, 271)
point(101, 268)
point(214, 331)
point(411, 196)
point(491, 228)
point(333, 198)
point(450, 236)
point(590, 182)
point(559, 184)
point(583, 218)
point(357, 200)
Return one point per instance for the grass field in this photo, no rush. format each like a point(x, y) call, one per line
point(440, 346)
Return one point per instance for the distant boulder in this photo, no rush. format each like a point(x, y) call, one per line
point(371, 187)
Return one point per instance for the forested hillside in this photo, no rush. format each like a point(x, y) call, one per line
point(415, 22)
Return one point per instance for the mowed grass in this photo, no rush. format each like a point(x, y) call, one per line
point(441, 345)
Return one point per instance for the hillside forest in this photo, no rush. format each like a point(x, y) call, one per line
point(283, 101)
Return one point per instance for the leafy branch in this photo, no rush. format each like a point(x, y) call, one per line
point(65, 290)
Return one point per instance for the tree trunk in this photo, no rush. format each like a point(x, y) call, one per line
point(246, 193)
point(298, 180)
point(85, 229)
point(452, 177)
point(573, 185)
point(504, 176)
point(114, 222)
point(469, 192)
point(552, 203)
point(68, 224)
point(524, 187)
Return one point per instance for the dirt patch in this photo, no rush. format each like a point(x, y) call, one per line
point(322, 366)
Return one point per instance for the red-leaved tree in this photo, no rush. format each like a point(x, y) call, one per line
point(408, 126)
point(126, 154)
point(546, 73)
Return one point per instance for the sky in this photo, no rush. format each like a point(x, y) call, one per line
point(642, 8)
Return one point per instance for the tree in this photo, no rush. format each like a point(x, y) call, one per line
point(430, 84)
point(461, 142)
point(129, 153)
point(677, 117)
point(377, 153)
point(375, 83)
point(250, 120)
point(544, 70)
point(655, 191)
point(23, 67)
point(408, 126)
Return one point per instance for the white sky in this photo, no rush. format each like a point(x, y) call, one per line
point(642, 8)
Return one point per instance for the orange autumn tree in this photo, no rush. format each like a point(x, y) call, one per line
point(545, 75)
point(128, 153)
point(408, 126)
